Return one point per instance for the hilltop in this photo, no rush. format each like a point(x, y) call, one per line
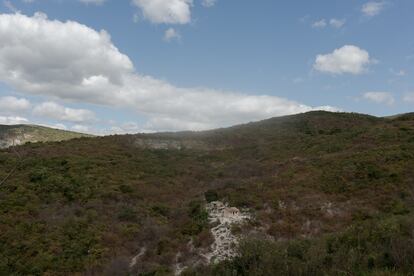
point(325, 193)
point(21, 134)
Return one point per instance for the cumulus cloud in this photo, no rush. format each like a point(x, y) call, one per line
point(94, 2)
point(334, 23)
point(372, 8)
point(13, 120)
point(337, 23)
point(398, 73)
point(319, 24)
point(56, 111)
point(165, 11)
point(42, 56)
point(69, 61)
point(208, 3)
point(409, 97)
point(380, 97)
point(80, 128)
point(348, 59)
point(12, 105)
point(123, 128)
point(59, 126)
point(171, 34)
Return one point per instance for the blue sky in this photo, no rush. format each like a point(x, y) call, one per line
point(198, 64)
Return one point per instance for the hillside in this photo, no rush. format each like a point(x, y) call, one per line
point(321, 193)
point(21, 134)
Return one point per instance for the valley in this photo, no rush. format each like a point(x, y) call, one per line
point(301, 192)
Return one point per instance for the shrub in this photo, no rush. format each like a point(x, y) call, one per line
point(198, 219)
point(127, 214)
point(126, 189)
point(211, 196)
point(161, 210)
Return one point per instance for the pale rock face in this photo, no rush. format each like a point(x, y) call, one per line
point(137, 257)
point(6, 143)
point(224, 241)
point(158, 144)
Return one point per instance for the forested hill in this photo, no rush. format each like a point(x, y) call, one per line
point(327, 194)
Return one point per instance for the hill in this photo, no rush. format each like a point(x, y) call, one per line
point(21, 134)
point(320, 193)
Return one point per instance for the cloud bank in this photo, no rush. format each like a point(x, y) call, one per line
point(380, 97)
point(69, 61)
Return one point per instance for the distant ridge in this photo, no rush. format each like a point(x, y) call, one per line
point(21, 134)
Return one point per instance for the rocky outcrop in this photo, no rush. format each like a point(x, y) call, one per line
point(222, 218)
point(165, 143)
point(22, 134)
point(6, 142)
point(224, 240)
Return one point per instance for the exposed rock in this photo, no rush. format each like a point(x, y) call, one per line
point(329, 210)
point(163, 144)
point(223, 218)
point(282, 205)
point(6, 142)
point(224, 240)
point(136, 258)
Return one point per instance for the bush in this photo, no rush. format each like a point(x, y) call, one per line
point(160, 210)
point(367, 248)
point(127, 214)
point(211, 196)
point(198, 219)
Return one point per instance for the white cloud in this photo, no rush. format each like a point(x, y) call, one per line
point(69, 61)
point(12, 105)
point(135, 18)
point(334, 23)
point(208, 3)
point(171, 34)
point(13, 120)
point(399, 73)
point(60, 126)
point(56, 111)
point(166, 11)
point(94, 2)
point(348, 59)
point(409, 97)
point(80, 128)
point(319, 24)
point(372, 8)
point(123, 128)
point(337, 23)
point(380, 97)
point(66, 60)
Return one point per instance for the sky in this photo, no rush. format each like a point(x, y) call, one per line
point(128, 66)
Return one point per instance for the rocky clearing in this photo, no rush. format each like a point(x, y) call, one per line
point(222, 217)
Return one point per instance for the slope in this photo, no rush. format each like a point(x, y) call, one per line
point(21, 134)
point(91, 205)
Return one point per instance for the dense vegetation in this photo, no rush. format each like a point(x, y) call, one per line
point(331, 193)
